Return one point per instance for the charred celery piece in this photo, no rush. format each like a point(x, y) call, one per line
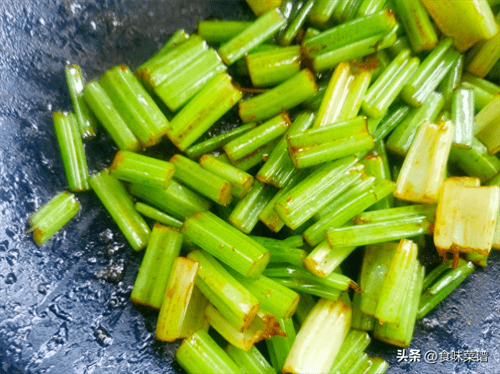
point(163, 247)
point(180, 88)
point(310, 148)
point(354, 344)
point(335, 95)
point(268, 216)
point(202, 180)
point(272, 67)
point(484, 55)
point(262, 6)
point(281, 250)
point(257, 137)
point(118, 203)
point(285, 96)
point(182, 311)
point(251, 361)
point(484, 90)
point(487, 125)
point(372, 233)
point(200, 354)
point(235, 303)
point(245, 214)
point(443, 286)
point(260, 30)
point(424, 167)
point(160, 69)
point(321, 12)
point(476, 161)
point(402, 212)
point(298, 21)
point(258, 330)
point(376, 262)
point(400, 335)
point(417, 25)
point(452, 81)
point(76, 85)
point(467, 22)
point(368, 7)
point(323, 259)
point(215, 142)
point(157, 215)
point(102, 107)
point(278, 169)
point(273, 297)
point(430, 73)
point(462, 116)
point(226, 243)
point(466, 216)
point(360, 321)
point(215, 31)
point(357, 90)
point(320, 337)
point(204, 109)
point(375, 25)
point(72, 152)
point(52, 216)
point(395, 285)
point(135, 168)
point(325, 183)
point(401, 138)
point(241, 181)
point(177, 200)
point(279, 346)
point(348, 210)
point(135, 105)
point(389, 84)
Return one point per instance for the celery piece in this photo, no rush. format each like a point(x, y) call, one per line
point(484, 55)
point(226, 243)
point(354, 344)
point(202, 180)
point(272, 67)
point(321, 12)
point(323, 259)
point(157, 215)
point(177, 200)
point(320, 338)
point(76, 85)
point(52, 216)
point(484, 90)
point(163, 247)
point(260, 30)
point(462, 116)
point(360, 321)
point(403, 212)
point(200, 354)
point(215, 31)
point(72, 152)
point(298, 21)
point(251, 361)
point(235, 303)
point(102, 107)
point(135, 168)
point(120, 206)
point(368, 7)
point(204, 109)
point(285, 96)
point(357, 90)
point(452, 81)
point(262, 6)
point(487, 125)
point(279, 346)
point(177, 38)
point(281, 251)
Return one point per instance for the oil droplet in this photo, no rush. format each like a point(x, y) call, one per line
point(102, 336)
point(11, 278)
point(42, 288)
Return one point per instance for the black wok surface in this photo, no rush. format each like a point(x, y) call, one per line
point(64, 308)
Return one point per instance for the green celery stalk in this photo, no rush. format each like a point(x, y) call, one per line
point(200, 354)
point(323, 259)
point(270, 68)
point(163, 247)
point(486, 126)
point(462, 116)
point(360, 321)
point(215, 31)
point(484, 90)
point(298, 21)
point(346, 10)
point(157, 215)
point(403, 212)
point(52, 216)
point(251, 361)
point(369, 7)
point(178, 37)
point(279, 346)
point(321, 12)
point(262, 6)
point(354, 344)
point(120, 206)
point(357, 90)
point(281, 251)
point(452, 81)
point(378, 366)
point(226, 243)
point(72, 152)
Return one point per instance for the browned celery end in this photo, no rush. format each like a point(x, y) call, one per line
point(120, 206)
point(226, 243)
point(135, 168)
point(163, 247)
point(204, 109)
point(52, 216)
point(202, 180)
point(72, 152)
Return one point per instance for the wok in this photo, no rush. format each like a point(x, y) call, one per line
point(64, 308)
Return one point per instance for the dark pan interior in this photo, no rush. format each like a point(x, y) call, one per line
point(64, 308)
